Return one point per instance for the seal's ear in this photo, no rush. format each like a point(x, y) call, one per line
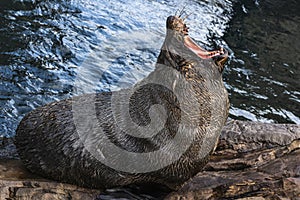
point(221, 60)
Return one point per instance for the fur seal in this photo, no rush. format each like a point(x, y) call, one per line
point(59, 141)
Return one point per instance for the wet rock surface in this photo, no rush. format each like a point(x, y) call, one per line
point(252, 161)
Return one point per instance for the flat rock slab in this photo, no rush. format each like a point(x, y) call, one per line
point(16, 183)
point(43, 190)
point(253, 161)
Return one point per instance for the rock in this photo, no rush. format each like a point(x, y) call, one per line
point(16, 183)
point(253, 161)
point(43, 190)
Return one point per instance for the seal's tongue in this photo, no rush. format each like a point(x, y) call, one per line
point(202, 53)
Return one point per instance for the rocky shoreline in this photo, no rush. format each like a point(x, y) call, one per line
point(252, 161)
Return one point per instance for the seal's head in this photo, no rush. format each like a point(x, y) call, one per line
point(177, 24)
point(179, 47)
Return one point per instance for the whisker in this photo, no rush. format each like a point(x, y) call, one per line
point(182, 11)
point(187, 16)
point(176, 12)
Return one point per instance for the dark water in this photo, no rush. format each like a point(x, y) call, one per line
point(263, 76)
point(51, 50)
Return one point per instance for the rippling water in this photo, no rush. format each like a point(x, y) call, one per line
point(51, 50)
point(48, 47)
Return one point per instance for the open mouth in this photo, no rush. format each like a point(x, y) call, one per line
point(219, 56)
point(202, 53)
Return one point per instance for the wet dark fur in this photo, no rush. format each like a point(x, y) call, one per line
point(48, 145)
